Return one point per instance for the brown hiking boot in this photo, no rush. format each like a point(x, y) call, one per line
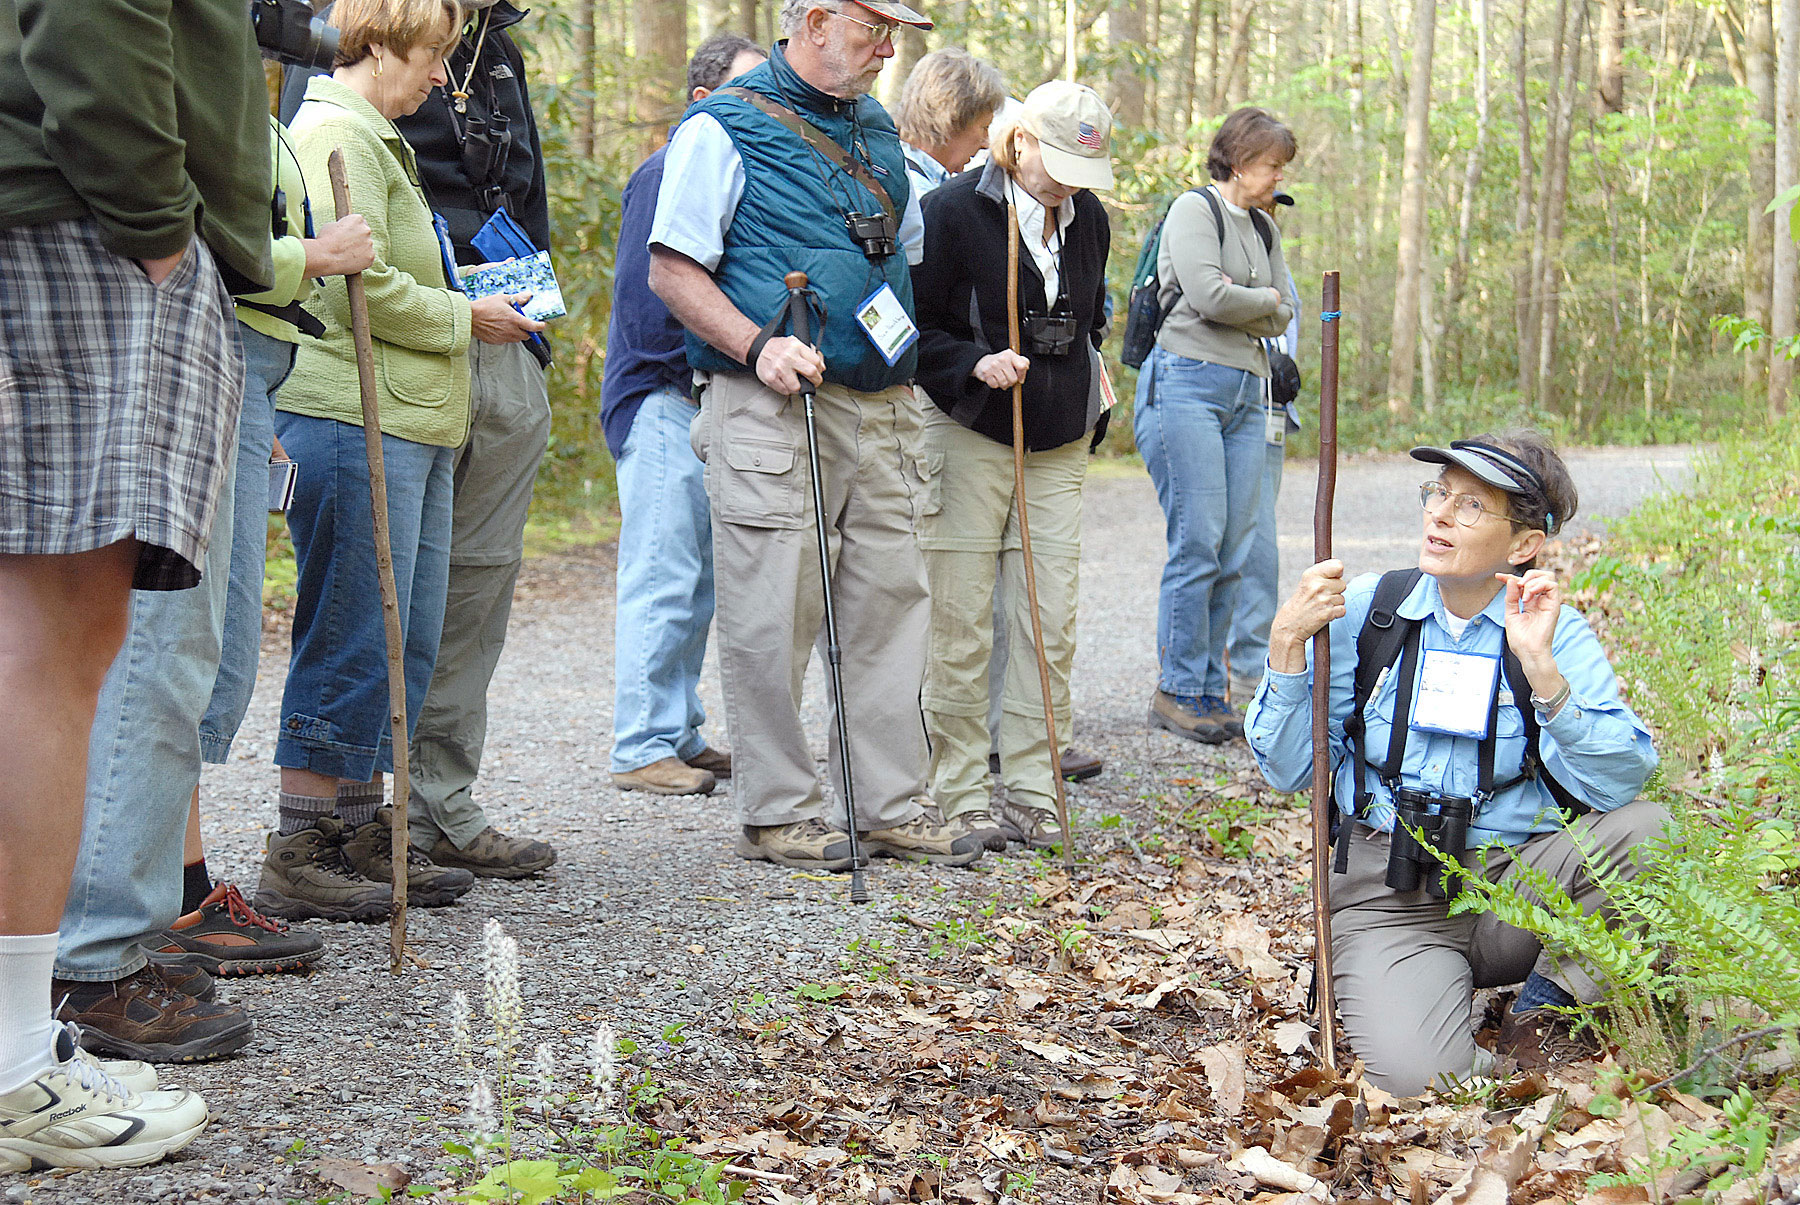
point(1189, 716)
point(370, 850)
point(670, 776)
point(805, 844)
point(713, 761)
point(141, 1017)
point(494, 855)
point(307, 874)
point(927, 837)
point(981, 823)
point(226, 936)
point(1078, 765)
point(1034, 828)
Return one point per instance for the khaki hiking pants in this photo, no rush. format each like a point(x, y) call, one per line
point(971, 523)
point(1405, 970)
point(771, 609)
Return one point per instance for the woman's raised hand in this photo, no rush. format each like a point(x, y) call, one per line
point(1533, 604)
point(1316, 601)
point(1002, 370)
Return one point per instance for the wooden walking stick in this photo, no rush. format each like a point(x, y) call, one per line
point(1321, 713)
point(384, 566)
point(1031, 596)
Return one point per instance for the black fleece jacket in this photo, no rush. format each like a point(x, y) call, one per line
point(960, 292)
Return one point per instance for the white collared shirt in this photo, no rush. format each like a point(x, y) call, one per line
point(1046, 255)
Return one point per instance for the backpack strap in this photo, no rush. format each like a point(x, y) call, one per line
point(1264, 228)
point(819, 141)
point(1534, 766)
point(1378, 644)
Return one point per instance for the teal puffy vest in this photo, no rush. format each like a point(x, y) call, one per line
point(788, 219)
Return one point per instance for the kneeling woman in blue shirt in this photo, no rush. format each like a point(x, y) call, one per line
point(1404, 969)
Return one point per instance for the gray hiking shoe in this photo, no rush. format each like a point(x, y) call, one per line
point(981, 823)
point(1034, 828)
point(494, 855)
point(805, 844)
point(927, 837)
point(370, 849)
point(307, 874)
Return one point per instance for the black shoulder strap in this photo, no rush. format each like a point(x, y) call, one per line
point(1378, 643)
point(1212, 203)
point(1265, 228)
point(1534, 759)
point(819, 141)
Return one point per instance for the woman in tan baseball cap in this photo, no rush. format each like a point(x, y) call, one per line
point(1044, 162)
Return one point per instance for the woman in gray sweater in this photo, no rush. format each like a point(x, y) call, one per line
point(1203, 412)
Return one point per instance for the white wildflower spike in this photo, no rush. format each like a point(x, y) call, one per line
point(504, 1004)
point(603, 1059)
point(481, 1108)
point(459, 1025)
point(544, 1065)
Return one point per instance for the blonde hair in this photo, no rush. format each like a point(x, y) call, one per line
point(947, 91)
point(1003, 141)
point(401, 26)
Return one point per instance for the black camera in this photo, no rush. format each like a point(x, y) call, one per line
point(1050, 334)
point(1443, 822)
point(876, 233)
point(288, 31)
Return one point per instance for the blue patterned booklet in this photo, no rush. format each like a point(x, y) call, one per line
point(530, 274)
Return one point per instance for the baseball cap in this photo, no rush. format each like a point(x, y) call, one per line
point(894, 12)
point(1073, 127)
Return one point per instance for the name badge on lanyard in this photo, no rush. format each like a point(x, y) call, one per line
point(1456, 693)
point(885, 321)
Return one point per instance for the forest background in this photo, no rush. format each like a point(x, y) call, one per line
point(1544, 210)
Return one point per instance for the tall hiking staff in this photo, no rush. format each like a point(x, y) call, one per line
point(1031, 594)
point(384, 565)
point(799, 315)
point(1322, 804)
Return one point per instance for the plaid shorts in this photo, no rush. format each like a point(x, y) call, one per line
point(118, 400)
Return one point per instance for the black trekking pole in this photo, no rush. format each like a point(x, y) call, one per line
point(800, 316)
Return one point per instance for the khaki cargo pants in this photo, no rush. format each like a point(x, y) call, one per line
point(771, 609)
point(1405, 970)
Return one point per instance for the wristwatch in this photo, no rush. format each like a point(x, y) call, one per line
point(1549, 707)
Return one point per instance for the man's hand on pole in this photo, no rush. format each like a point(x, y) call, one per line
point(784, 360)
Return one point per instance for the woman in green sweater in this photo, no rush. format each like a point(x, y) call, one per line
point(334, 742)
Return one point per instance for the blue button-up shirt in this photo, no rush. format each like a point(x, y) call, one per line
point(1595, 746)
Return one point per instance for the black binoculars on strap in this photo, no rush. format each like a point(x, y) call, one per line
point(1443, 822)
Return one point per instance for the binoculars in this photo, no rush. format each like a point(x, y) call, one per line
point(1443, 822)
point(1049, 334)
point(876, 233)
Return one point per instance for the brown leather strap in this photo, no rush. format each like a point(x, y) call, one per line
point(819, 141)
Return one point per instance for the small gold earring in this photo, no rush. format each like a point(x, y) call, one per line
point(378, 66)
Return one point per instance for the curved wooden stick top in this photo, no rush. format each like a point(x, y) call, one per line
point(794, 280)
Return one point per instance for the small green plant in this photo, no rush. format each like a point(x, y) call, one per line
point(819, 993)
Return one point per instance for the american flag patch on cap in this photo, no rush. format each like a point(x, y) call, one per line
point(1088, 136)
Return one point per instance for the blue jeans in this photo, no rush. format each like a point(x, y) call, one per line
point(665, 584)
point(241, 647)
point(145, 747)
point(334, 712)
point(1259, 591)
point(1199, 427)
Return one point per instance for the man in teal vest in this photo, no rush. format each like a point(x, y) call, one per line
point(797, 168)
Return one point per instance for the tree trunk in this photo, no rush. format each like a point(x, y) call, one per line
point(1190, 67)
point(1759, 68)
point(1725, 20)
point(1212, 57)
point(1525, 276)
point(1554, 206)
point(584, 79)
point(1125, 30)
point(1465, 215)
point(660, 41)
point(909, 48)
point(1230, 93)
point(1411, 255)
point(1611, 51)
point(1359, 231)
point(748, 22)
point(1787, 174)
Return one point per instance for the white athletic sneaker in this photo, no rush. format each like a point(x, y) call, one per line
point(74, 1114)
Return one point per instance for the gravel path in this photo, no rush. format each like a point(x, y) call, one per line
point(647, 920)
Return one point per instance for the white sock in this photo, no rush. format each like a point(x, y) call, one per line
point(26, 963)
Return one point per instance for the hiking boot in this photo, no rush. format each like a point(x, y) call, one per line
point(370, 850)
point(670, 776)
point(140, 1017)
point(1541, 1038)
point(494, 855)
point(1078, 765)
point(1034, 828)
point(185, 980)
point(306, 874)
point(713, 762)
point(226, 936)
point(981, 823)
point(75, 1114)
point(1186, 715)
point(809, 844)
point(927, 837)
point(1230, 719)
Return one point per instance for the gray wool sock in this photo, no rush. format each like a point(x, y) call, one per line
point(298, 812)
point(357, 801)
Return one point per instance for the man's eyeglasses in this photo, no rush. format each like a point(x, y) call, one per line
point(1467, 508)
point(879, 32)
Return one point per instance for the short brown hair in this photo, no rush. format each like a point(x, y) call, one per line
point(402, 26)
point(1545, 511)
point(947, 90)
point(1247, 136)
